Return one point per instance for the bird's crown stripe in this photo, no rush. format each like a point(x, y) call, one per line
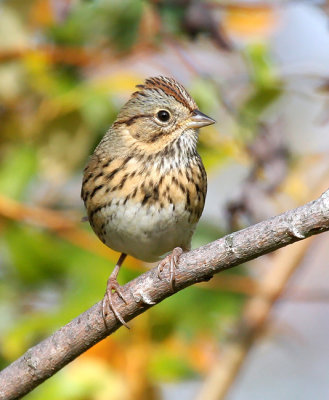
point(170, 87)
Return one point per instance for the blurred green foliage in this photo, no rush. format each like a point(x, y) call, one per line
point(94, 23)
point(266, 87)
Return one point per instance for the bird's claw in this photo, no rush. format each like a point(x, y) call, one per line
point(112, 284)
point(171, 259)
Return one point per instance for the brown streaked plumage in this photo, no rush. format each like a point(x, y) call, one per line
point(145, 185)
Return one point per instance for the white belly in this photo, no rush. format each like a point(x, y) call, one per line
point(146, 233)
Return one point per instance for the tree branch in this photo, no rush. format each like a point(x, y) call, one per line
point(46, 358)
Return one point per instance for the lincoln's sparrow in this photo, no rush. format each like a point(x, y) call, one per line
point(145, 185)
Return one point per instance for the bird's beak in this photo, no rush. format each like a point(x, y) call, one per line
point(198, 120)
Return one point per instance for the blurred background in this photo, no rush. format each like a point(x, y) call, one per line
point(260, 68)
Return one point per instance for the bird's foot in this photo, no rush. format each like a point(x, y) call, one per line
point(112, 285)
point(171, 259)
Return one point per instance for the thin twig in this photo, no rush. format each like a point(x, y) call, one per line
point(46, 358)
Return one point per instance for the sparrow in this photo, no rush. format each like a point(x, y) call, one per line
point(144, 187)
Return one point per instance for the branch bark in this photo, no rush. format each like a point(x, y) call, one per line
point(46, 358)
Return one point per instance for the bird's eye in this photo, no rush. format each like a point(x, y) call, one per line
point(163, 115)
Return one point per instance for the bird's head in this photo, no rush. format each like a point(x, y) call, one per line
point(158, 113)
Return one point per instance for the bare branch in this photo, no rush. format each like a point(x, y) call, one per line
point(46, 358)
